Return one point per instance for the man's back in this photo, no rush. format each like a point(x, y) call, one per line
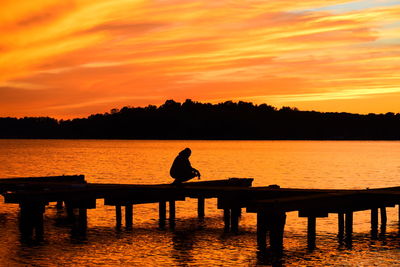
point(181, 167)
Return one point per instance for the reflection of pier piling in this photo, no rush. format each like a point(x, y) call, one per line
point(269, 203)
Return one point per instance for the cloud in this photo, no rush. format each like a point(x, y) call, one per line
point(87, 52)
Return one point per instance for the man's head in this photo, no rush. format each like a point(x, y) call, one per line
point(186, 152)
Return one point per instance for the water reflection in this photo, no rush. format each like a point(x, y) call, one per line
point(182, 243)
point(191, 242)
point(270, 257)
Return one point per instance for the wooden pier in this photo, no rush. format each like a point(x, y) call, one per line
point(270, 203)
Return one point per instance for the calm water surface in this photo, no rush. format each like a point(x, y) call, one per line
point(301, 164)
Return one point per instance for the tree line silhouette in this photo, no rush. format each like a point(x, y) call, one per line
point(224, 121)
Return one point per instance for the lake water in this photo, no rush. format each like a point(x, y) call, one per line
point(297, 164)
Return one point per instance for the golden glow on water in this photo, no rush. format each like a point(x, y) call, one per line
point(312, 164)
point(315, 164)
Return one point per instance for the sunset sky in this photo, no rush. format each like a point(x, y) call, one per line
point(73, 58)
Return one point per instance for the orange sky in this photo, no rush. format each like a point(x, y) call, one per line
point(73, 58)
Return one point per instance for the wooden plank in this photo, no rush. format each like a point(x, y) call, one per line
point(44, 179)
point(133, 200)
point(314, 213)
point(322, 203)
point(230, 182)
point(298, 202)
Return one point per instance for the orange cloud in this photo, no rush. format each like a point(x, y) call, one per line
point(83, 56)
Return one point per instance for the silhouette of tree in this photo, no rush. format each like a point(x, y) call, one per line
point(195, 120)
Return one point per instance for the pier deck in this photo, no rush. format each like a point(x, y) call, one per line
point(271, 203)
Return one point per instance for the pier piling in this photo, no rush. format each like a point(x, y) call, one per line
point(374, 222)
point(311, 231)
point(162, 213)
point(383, 216)
point(277, 223)
point(227, 219)
point(172, 211)
point(128, 216)
point(200, 207)
point(349, 224)
point(70, 211)
point(82, 219)
point(59, 205)
point(270, 204)
point(398, 214)
point(261, 230)
point(383, 221)
point(31, 220)
point(118, 215)
point(340, 226)
point(235, 214)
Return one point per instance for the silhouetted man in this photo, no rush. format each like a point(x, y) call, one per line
point(181, 170)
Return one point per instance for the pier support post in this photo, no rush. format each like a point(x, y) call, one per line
point(82, 219)
point(383, 215)
point(340, 226)
point(70, 212)
point(374, 222)
point(261, 230)
point(25, 222)
point(172, 212)
point(235, 214)
point(39, 225)
point(162, 213)
point(227, 219)
point(200, 207)
point(129, 216)
point(31, 220)
point(383, 220)
point(349, 225)
point(59, 205)
point(311, 231)
point(398, 214)
point(118, 215)
point(276, 224)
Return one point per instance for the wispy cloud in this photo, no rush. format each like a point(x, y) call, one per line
point(87, 53)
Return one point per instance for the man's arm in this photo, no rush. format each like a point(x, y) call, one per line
point(196, 172)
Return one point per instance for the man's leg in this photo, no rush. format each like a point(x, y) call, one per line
point(180, 180)
point(177, 181)
point(188, 177)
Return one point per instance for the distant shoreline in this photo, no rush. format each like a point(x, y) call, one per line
point(204, 121)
